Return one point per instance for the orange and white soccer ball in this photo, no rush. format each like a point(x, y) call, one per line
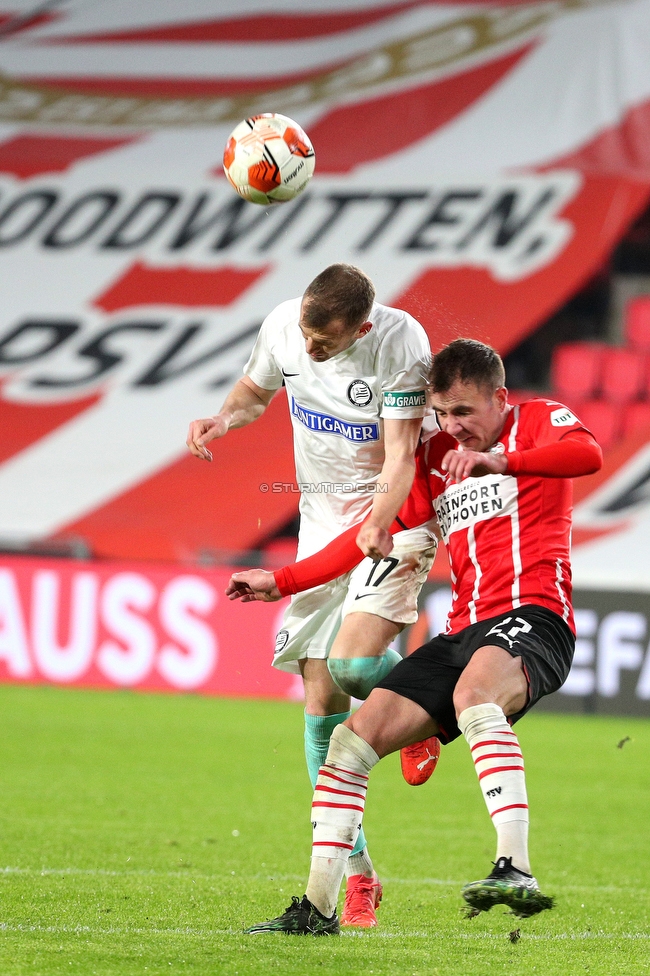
point(268, 159)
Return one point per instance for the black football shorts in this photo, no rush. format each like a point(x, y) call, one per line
point(429, 676)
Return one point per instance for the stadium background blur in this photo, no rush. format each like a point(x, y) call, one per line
point(488, 165)
point(489, 185)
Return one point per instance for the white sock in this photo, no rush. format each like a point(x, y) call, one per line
point(500, 767)
point(359, 864)
point(337, 811)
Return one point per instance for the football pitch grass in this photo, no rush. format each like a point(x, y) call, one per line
point(141, 833)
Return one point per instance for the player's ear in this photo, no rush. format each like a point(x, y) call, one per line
point(501, 396)
point(364, 329)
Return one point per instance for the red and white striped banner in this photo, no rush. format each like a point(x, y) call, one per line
point(478, 159)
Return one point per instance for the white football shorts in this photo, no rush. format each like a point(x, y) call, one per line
point(388, 588)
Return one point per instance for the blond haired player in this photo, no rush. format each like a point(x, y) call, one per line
point(355, 373)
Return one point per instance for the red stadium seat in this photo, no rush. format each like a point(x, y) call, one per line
point(603, 419)
point(636, 417)
point(573, 403)
point(624, 375)
point(637, 323)
point(576, 369)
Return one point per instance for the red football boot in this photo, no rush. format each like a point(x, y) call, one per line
point(419, 760)
point(362, 897)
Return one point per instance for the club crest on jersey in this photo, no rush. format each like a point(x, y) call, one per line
point(416, 398)
point(281, 640)
point(323, 423)
point(359, 393)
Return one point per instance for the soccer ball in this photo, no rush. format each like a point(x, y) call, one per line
point(268, 159)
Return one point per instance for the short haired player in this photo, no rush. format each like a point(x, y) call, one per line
point(355, 373)
point(499, 479)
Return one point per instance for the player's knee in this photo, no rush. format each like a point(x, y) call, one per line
point(466, 697)
point(357, 676)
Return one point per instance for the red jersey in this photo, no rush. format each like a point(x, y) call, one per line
point(507, 535)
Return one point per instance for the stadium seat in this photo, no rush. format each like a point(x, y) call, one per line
point(637, 323)
point(573, 403)
point(604, 419)
point(636, 417)
point(576, 369)
point(624, 374)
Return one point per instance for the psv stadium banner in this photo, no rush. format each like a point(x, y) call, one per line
point(478, 159)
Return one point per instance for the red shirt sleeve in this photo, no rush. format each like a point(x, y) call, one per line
point(577, 454)
point(343, 553)
point(337, 558)
point(557, 445)
point(546, 422)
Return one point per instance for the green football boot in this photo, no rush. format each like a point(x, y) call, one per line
point(508, 886)
point(300, 918)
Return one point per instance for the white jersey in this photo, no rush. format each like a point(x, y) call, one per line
point(337, 409)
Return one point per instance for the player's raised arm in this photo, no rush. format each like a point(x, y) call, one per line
point(575, 455)
point(245, 403)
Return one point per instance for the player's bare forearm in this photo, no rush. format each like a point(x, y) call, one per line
point(396, 480)
point(244, 404)
point(394, 484)
point(251, 585)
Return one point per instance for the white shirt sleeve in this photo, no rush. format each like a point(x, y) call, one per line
point(404, 361)
point(262, 366)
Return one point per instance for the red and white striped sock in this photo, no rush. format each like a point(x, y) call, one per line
point(500, 767)
point(336, 813)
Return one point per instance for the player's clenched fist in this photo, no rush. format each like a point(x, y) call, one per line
point(374, 541)
point(465, 464)
point(202, 431)
point(253, 584)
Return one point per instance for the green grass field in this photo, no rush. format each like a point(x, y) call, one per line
point(141, 833)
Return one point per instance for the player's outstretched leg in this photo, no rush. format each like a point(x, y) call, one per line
point(337, 812)
point(500, 767)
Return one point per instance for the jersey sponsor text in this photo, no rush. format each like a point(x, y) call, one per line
point(474, 500)
point(415, 398)
point(563, 418)
point(327, 424)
